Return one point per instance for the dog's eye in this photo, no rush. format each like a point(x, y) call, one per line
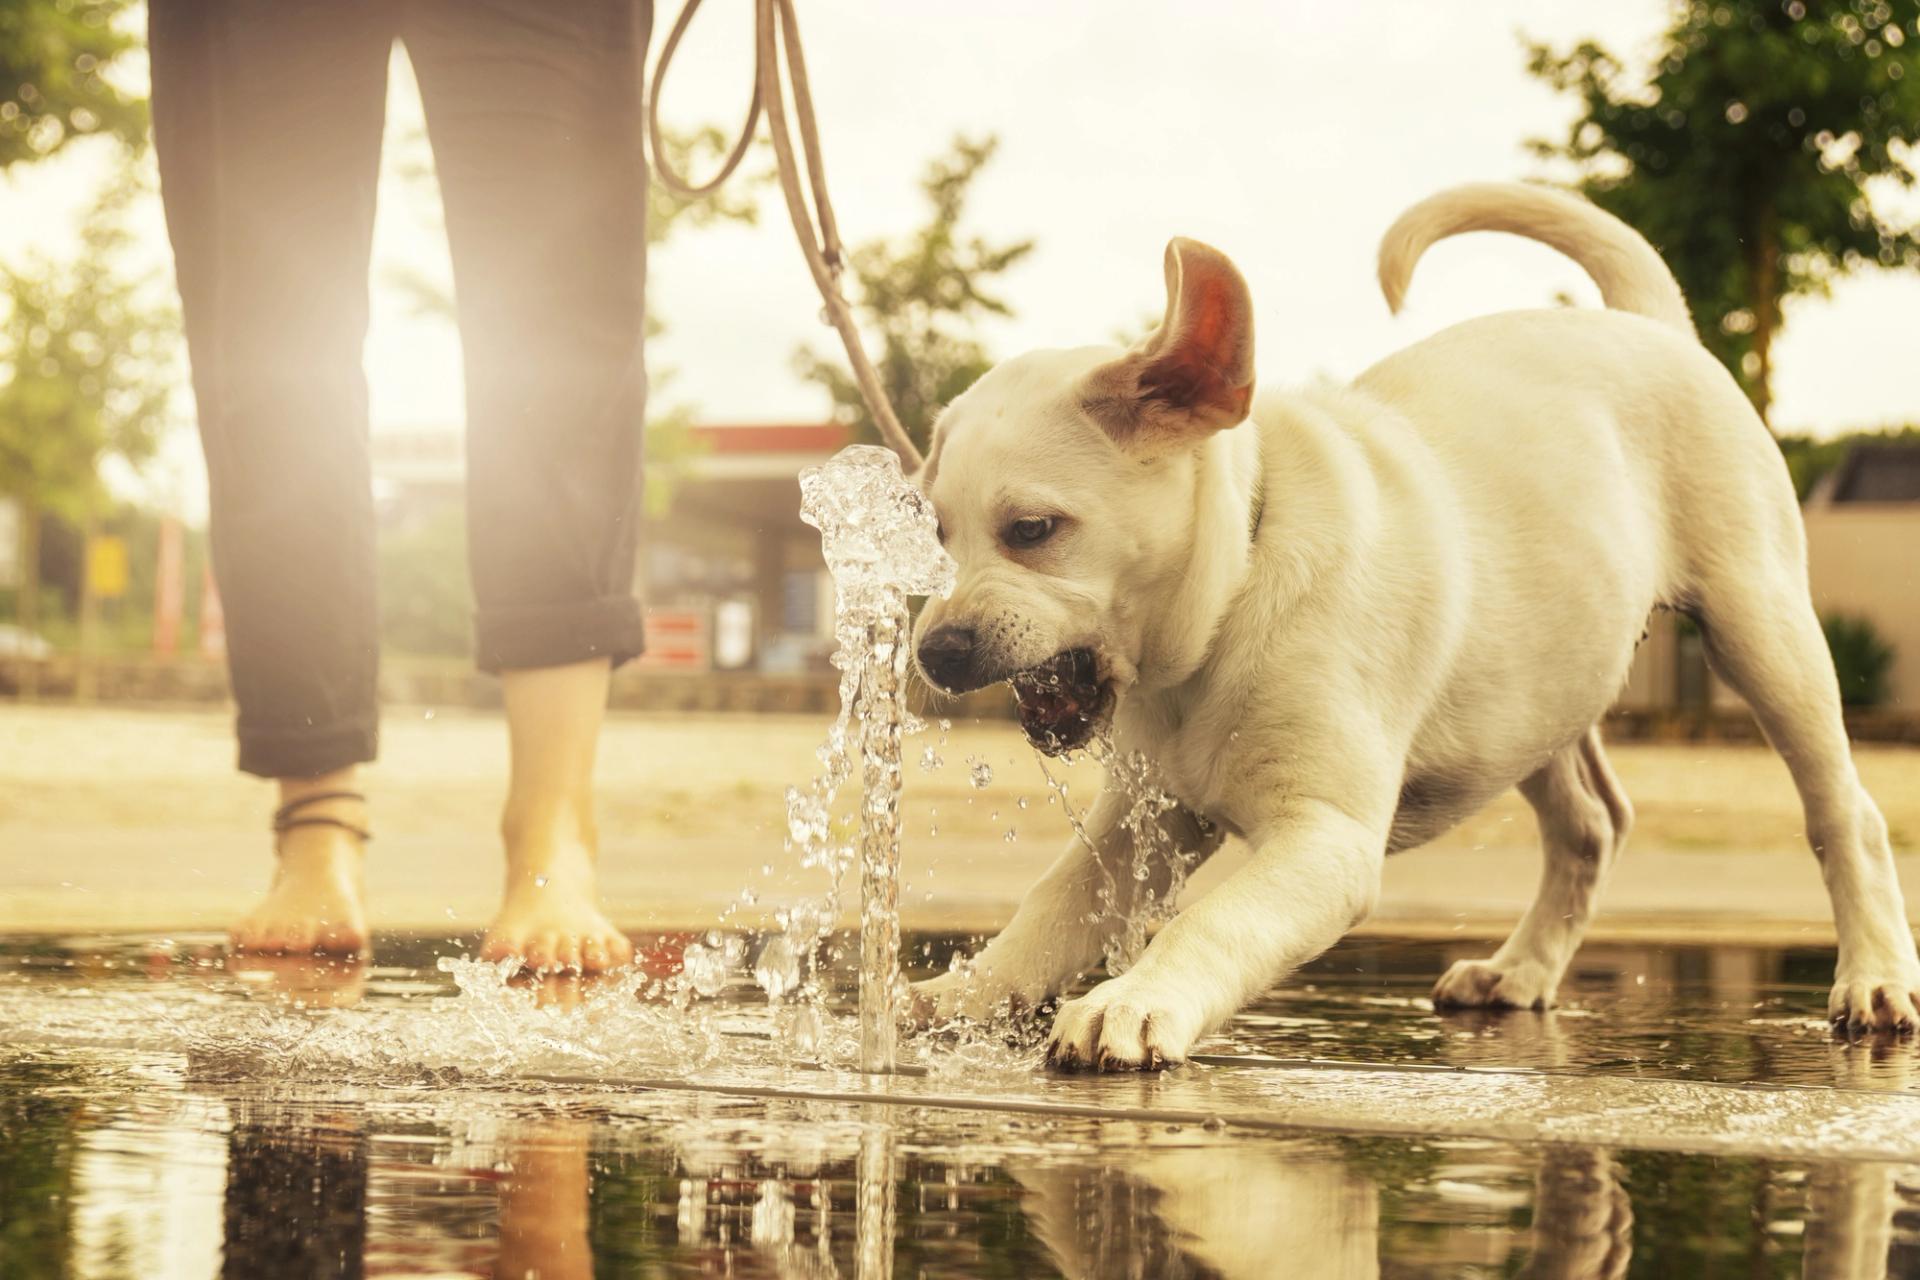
point(1029, 531)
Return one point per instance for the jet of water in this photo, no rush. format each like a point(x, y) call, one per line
point(882, 545)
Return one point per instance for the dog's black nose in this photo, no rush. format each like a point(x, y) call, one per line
point(946, 655)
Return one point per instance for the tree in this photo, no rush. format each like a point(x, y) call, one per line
point(1862, 659)
point(88, 368)
point(920, 300)
point(53, 88)
point(1745, 153)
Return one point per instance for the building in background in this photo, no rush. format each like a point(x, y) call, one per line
point(1863, 561)
point(732, 580)
point(1863, 552)
point(733, 550)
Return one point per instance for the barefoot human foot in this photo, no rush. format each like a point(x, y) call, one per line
point(549, 919)
point(316, 903)
point(314, 907)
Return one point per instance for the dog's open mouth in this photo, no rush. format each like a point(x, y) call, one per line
point(1062, 701)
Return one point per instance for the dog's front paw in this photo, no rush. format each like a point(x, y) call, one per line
point(1123, 1025)
point(964, 996)
point(1867, 999)
point(1482, 984)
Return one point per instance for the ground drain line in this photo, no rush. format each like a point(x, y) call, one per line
point(939, 1101)
point(1261, 1062)
point(1520, 1135)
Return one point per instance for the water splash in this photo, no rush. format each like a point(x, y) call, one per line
point(882, 545)
point(1130, 907)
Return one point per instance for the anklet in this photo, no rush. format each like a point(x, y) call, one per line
point(285, 819)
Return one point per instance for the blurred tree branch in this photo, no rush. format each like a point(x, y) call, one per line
point(921, 299)
point(53, 88)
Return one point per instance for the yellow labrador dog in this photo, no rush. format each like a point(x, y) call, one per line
point(1341, 630)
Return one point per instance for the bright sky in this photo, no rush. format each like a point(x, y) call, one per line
point(1287, 135)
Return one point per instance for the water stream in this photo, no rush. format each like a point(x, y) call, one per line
point(882, 545)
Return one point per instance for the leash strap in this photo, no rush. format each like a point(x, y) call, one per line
point(776, 30)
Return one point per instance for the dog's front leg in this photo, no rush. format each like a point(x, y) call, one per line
point(1065, 922)
point(1314, 874)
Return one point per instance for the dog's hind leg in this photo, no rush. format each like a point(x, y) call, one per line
point(1764, 639)
point(1584, 818)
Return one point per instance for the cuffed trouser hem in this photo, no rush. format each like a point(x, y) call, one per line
point(555, 635)
point(306, 752)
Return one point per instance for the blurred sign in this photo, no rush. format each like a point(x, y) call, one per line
point(677, 640)
point(106, 566)
point(732, 634)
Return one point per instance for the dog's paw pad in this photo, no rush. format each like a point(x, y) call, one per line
point(1119, 1032)
point(1481, 984)
point(1860, 1007)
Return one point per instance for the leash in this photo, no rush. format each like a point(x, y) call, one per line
point(820, 244)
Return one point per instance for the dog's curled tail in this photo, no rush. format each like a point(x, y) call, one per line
point(1628, 270)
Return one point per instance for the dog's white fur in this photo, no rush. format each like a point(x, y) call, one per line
point(1456, 559)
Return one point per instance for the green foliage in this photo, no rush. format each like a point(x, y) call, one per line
point(41, 1123)
point(1809, 460)
point(53, 56)
point(920, 300)
point(1746, 151)
point(88, 365)
point(1862, 658)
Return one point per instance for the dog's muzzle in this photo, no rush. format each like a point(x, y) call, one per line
point(1063, 701)
point(951, 660)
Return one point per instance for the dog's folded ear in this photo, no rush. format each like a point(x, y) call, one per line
point(1194, 374)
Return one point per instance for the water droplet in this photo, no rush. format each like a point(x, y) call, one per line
point(777, 969)
point(540, 882)
point(930, 759)
point(807, 1029)
point(428, 715)
point(705, 968)
point(1011, 835)
point(980, 771)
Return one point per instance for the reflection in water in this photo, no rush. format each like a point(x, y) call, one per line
point(306, 982)
point(489, 1184)
point(1582, 1217)
point(543, 1205)
point(130, 1159)
point(1206, 1211)
point(874, 1194)
point(307, 1176)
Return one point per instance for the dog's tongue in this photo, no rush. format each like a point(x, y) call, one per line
point(1061, 701)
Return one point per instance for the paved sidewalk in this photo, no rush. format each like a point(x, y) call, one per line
point(114, 819)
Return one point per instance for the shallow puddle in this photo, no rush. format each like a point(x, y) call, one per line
point(1687, 1114)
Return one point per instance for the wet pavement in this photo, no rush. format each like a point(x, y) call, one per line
point(1686, 1114)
